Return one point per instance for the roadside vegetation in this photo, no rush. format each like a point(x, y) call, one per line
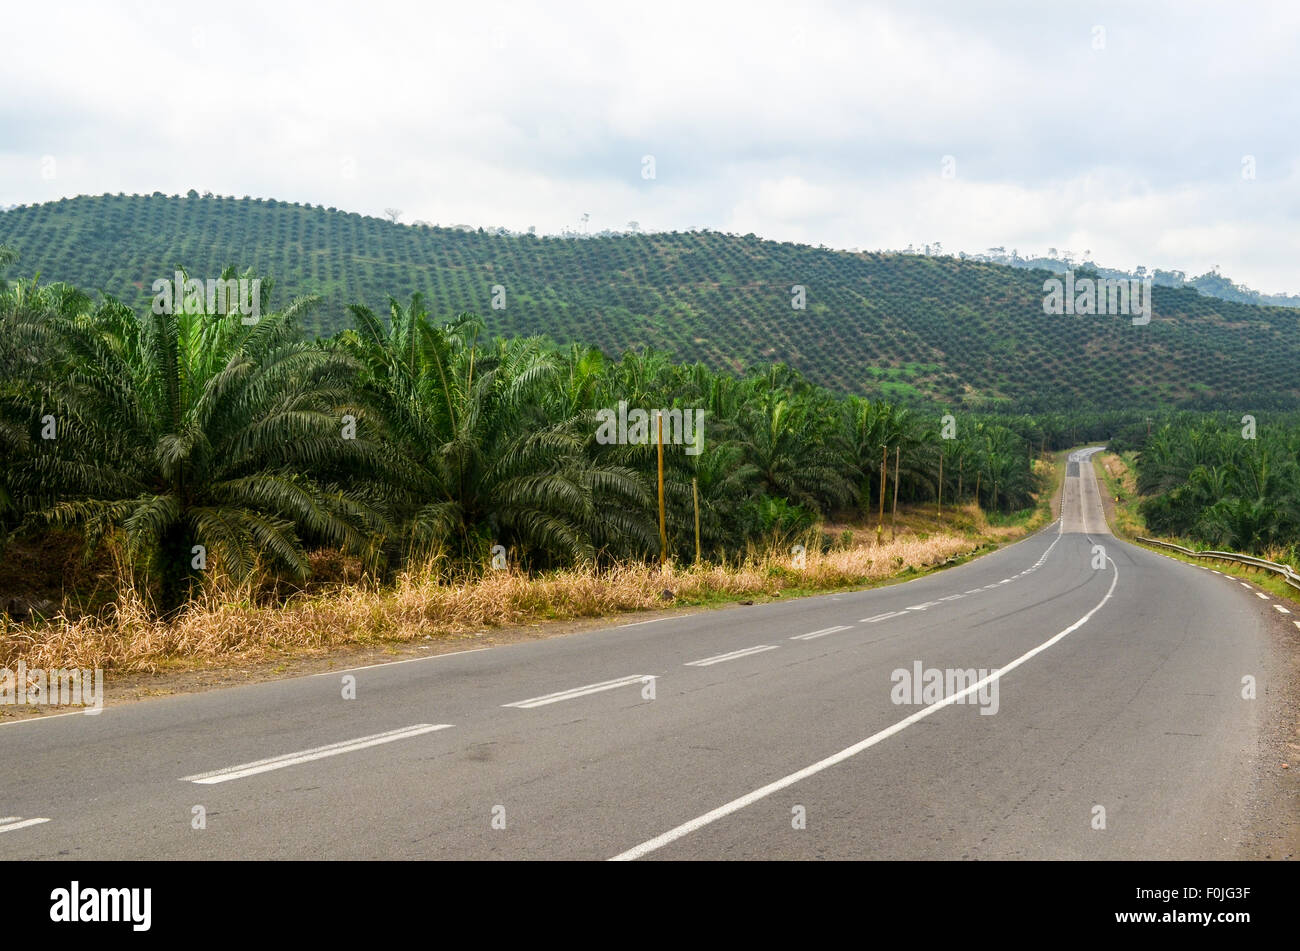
point(229, 485)
point(191, 484)
point(234, 626)
point(1228, 482)
point(1118, 475)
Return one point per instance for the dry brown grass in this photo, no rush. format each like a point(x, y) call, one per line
point(231, 625)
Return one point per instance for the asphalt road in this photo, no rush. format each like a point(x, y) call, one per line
point(1103, 678)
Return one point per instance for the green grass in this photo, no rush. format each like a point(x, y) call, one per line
point(1127, 521)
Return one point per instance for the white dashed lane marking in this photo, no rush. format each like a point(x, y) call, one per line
point(813, 635)
point(14, 823)
point(576, 692)
point(306, 756)
point(734, 655)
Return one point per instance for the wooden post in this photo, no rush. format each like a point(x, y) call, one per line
point(663, 524)
point(695, 492)
point(940, 513)
point(884, 477)
point(893, 518)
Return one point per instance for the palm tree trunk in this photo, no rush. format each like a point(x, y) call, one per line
point(175, 574)
point(940, 512)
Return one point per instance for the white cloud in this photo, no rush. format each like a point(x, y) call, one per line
point(824, 124)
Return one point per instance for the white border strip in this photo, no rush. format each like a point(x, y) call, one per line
point(386, 663)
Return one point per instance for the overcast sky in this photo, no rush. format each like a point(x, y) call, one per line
point(1082, 126)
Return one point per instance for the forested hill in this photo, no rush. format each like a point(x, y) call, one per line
point(963, 333)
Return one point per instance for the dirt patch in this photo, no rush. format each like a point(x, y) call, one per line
point(39, 573)
point(1275, 813)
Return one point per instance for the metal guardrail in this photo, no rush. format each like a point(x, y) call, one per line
point(1288, 573)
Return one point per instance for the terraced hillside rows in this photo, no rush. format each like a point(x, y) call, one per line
point(907, 327)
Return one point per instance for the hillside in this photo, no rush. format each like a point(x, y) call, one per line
point(905, 326)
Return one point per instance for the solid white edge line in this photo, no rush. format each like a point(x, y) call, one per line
point(394, 663)
point(672, 835)
point(48, 716)
point(306, 756)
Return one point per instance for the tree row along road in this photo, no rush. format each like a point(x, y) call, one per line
point(753, 732)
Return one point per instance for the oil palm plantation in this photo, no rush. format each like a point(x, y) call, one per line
point(785, 439)
point(494, 440)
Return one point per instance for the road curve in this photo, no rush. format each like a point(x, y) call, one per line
point(1091, 707)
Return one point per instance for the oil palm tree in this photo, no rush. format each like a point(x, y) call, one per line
point(209, 444)
point(494, 442)
point(784, 440)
